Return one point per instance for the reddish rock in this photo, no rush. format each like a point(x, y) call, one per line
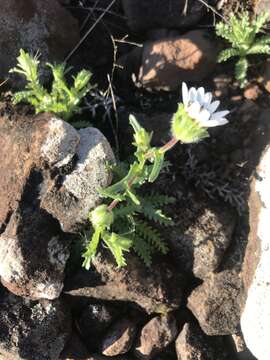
point(155, 336)
point(38, 25)
point(252, 92)
point(266, 76)
point(168, 62)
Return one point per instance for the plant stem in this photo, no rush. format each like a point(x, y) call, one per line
point(169, 145)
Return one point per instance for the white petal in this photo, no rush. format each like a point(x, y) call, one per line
point(219, 115)
point(194, 110)
point(185, 94)
point(213, 107)
point(207, 99)
point(200, 95)
point(192, 94)
point(204, 115)
point(212, 123)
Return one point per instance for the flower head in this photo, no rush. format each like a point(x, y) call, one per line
point(200, 107)
point(195, 115)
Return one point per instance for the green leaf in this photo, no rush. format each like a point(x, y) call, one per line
point(227, 54)
point(91, 250)
point(241, 71)
point(117, 245)
point(157, 166)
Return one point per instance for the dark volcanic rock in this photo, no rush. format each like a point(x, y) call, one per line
point(146, 15)
point(32, 330)
point(155, 289)
point(217, 303)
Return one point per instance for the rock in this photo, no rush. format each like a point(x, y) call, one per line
point(119, 337)
point(94, 321)
point(252, 92)
point(32, 330)
point(255, 320)
point(70, 203)
point(39, 25)
point(168, 62)
point(155, 336)
point(261, 6)
point(217, 303)
point(242, 352)
point(143, 16)
point(266, 76)
point(74, 349)
point(101, 357)
point(193, 344)
point(157, 289)
point(36, 151)
point(200, 247)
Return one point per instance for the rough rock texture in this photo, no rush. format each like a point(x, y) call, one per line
point(94, 321)
point(155, 336)
point(36, 151)
point(217, 303)
point(168, 62)
point(193, 344)
point(261, 6)
point(255, 321)
point(157, 289)
point(201, 246)
point(146, 15)
point(78, 193)
point(42, 25)
point(119, 337)
point(32, 330)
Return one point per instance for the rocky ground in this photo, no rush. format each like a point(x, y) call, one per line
point(209, 298)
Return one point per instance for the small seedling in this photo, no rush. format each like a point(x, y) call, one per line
point(242, 33)
point(62, 100)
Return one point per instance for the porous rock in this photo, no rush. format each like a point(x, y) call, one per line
point(32, 330)
point(217, 303)
point(146, 15)
point(33, 248)
point(119, 337)
point(193, 344)
point(155, 289)
point(199, 247)
point(168, 62)
point(155, 336)
point(255, 320)
point(35, 25)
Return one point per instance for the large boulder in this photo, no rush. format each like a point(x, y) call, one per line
point(255, 321)
point(38, 156)
point(146, 15)
point(32, 330)
point(35, 25)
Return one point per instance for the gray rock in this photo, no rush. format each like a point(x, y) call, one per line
point(155, 336)
point(78, 193)
point(158, 289)
point(142, 16)
point(167, 62)
point(38, 25)
point(119, 337)
point(200, 247)
point(32, 330)
point(255, 320)
point(217, 303)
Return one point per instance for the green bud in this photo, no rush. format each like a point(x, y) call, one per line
point(186, 129)
point(101, 217)
point(141, 136)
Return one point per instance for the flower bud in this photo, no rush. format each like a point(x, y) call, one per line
point(100, 217)
point(142, 140)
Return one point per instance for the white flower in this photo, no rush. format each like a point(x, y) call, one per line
point(198, 105)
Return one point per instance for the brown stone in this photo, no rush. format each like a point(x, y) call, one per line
point(168, 62)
